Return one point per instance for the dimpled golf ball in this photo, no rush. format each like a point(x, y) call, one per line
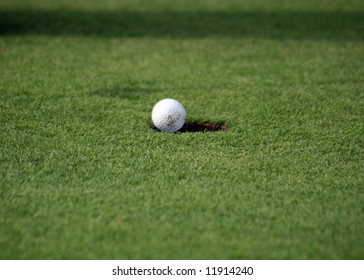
point(168, 115)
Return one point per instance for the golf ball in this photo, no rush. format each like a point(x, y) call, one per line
point(168, 115)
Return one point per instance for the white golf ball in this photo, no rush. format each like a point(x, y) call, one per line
point(168, 115)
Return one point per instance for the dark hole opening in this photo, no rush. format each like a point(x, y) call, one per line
point(200, 127)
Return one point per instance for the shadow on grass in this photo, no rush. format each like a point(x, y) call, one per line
point(128, 91)
point(197, 24)
point(199, 126)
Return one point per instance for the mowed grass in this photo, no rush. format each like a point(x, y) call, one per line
point(84, 176)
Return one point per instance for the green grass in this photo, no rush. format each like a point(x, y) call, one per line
point(84, 176)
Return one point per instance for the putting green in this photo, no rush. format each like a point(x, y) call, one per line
point(85, 176)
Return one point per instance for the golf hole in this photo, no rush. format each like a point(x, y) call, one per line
point(197, 126)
